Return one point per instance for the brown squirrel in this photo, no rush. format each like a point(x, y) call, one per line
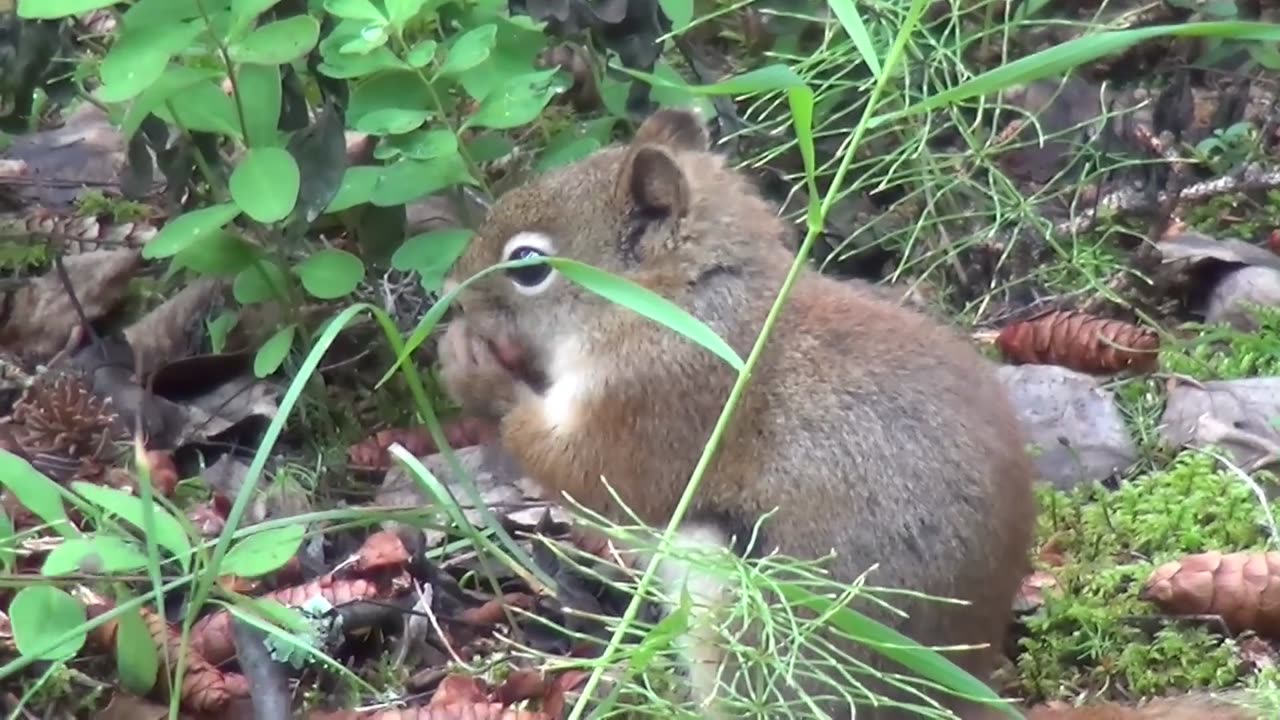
point(866, 428)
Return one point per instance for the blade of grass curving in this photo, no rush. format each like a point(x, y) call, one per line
point(209, 573)
point(801, 101)
point(434, 488)
point(151, 537)
point(514, 558)
point(1073, 53)
point(633, 296)
point(925, 662)
point(644, 301)
point(432, 316)
point(295, 642)
point(847, 13)
point(760, 80)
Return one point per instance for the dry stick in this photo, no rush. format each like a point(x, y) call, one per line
point(1254, 177)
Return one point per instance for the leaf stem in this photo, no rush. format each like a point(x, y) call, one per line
point(472, 166)
point(816, 219)
point(231, 71)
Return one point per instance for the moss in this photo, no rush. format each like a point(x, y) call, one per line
point(1093, 634)
point(23, 254)
point(119, 210)
point(1220, 352)
point(1236, 214)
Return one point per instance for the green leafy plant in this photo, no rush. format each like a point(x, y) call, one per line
point(128, 532)
point(1221, 352)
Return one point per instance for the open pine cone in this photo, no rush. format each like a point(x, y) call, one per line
point(66, 429)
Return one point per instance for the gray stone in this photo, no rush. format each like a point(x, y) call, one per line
point(1075, 428)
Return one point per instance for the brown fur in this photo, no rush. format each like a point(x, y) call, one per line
point(872, 430)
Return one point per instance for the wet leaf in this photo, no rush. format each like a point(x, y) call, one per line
point(278, 42)
point(265, 184)
point(330, 273)
point(40, 614)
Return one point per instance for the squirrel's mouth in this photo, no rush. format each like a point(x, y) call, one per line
point(513, 356)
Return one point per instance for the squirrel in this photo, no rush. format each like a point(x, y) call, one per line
point(867, 428)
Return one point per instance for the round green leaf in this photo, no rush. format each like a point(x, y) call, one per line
point(273, 352)
point(355, 9)
point(219, 254)
point(186, 230)
point(101, 554)
point(470, 49)
point(263, 280)
point(260, 89)
point(139, 57)
point(391, 121)
point(517, 101)
point(279, 42)
point(422, 53)
point(265, 184)
point(330, 273)
point(357, 187)
point(263, 552)
point(431, 254)
point(422, 145)
point(53, 9)
point(42, 613)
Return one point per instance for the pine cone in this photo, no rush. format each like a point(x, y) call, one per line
point(1081, 342)
point(1243, 588)
point(60, 420)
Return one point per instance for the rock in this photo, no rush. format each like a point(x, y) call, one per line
point(1230, 299)
point(1234, 415)
point(1075, 428)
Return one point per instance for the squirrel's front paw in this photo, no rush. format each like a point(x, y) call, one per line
point(473, 375)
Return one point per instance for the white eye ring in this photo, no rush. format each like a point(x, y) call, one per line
point(534, 279)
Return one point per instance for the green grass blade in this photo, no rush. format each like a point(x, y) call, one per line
point(925, 662)
point(1061, 58)
point(644, 301)
point(847, 13)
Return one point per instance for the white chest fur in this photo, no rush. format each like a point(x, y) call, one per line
point(573, 381)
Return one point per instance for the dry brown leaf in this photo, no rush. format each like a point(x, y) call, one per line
point(174, 329)
point(42, 317)
point(1081, 342)
point(521, 685)
point(1243, 588)
point(493, 611)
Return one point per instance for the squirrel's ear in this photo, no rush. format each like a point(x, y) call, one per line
point(653, 182)
point(674, 129)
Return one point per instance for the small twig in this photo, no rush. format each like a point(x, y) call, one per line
point(65, 278)
point(268, 683)
point(1128, 201)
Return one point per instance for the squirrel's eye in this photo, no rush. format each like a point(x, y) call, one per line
point(531, 277)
